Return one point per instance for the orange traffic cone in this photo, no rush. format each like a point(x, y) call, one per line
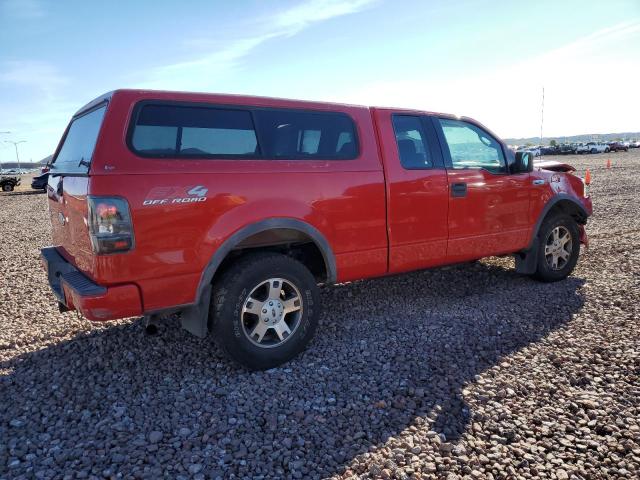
point(608, 163)
point(587, 177)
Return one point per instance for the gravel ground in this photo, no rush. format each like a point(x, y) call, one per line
point(468, 371)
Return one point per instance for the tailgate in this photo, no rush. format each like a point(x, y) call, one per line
point(68, 213)
point(68, 187)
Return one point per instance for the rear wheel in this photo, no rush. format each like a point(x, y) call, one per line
point(265, 310)
point(558, 248)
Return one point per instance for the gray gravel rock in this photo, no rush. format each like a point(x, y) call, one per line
point(470, 371)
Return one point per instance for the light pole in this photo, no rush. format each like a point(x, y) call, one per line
point(15, 144)
point(7, 132)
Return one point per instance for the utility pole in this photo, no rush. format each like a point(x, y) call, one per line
point(542, 116)
point(15, 144)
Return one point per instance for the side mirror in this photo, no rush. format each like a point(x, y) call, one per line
point(523, 163)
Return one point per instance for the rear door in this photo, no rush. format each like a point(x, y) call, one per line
point(417, 200)
point(68, 186)
point(488, 206)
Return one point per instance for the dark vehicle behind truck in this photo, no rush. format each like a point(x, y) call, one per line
point(8, 184)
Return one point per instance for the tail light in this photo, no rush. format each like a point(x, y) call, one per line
point(110, 225)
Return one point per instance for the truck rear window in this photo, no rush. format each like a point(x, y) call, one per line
point(183, 131)
point(79, 142)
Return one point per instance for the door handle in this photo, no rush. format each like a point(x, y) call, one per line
point(538, 182)
point(458, 189)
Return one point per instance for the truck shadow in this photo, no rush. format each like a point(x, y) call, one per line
point(22, 193)
point(390, 353)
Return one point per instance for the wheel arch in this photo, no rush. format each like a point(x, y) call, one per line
point(563, 203)
point(269, 233)
point(195, 317)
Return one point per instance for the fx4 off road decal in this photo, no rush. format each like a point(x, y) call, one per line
point(170, 195)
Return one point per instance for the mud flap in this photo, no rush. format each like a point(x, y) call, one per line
point(527, 261)
point(195, 319)
point(584, 240)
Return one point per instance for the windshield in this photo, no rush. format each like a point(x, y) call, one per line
point(77, 149)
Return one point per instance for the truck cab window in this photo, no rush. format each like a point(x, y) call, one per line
point(411, 142)
point(472, 147)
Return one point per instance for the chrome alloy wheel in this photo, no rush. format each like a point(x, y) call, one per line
point(271, 313)
point(558, 248)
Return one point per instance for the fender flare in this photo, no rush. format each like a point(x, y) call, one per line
point(548, 206)
point(195, 317)
point(526, 259)
point(268, 224)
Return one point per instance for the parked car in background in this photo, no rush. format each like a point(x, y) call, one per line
point(232, 209)
point(582, 148)
point(550, 150)
point(531, 149)
point(618, 147)
point(597, 147)
point(40, 182)
point(8, 184)
point(635, 144)
point(567, 148)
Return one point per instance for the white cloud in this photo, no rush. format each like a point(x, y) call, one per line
point(199, 73)
point(22, 9)
point(301, 16)
point(588, 89)
point(36, 76)
point(36, 110)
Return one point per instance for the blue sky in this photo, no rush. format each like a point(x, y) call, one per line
point(488, 59)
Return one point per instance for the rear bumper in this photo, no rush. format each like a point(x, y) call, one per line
point(76, 291)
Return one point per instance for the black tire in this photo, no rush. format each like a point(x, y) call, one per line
point(544, 272)
point(233, 288)
point(593, 150)
point(7, 187)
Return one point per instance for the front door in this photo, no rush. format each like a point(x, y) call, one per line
point(488, 206)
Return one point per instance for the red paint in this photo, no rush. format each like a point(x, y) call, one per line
point(377, 217)
point(118, 302)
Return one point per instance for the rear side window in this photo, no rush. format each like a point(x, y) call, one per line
point(79, 142)
point(411, 140)
point(165, 130)
point(177, 131)
point(290, 134)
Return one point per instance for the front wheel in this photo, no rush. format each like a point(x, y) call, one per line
point(265, 310)
point(7, 187)
point(558, 248)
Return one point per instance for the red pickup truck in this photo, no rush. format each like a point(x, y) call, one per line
point(231, 210)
